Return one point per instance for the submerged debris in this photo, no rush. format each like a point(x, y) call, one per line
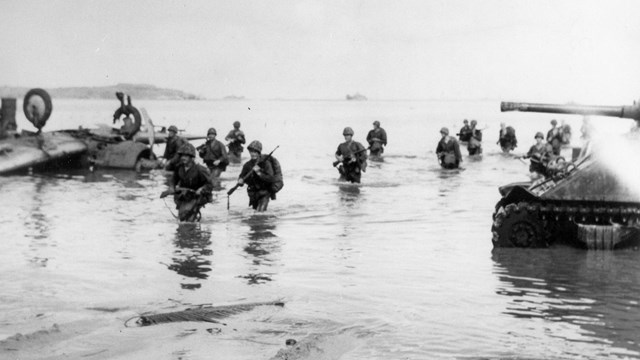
point(202, 313)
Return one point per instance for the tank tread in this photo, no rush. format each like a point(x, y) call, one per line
point(518, 225)
point(539, 224)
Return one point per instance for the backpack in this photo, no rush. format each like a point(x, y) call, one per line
point(277, 172)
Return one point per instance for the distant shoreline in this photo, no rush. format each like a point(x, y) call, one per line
point(150, 92)
point(136, 91)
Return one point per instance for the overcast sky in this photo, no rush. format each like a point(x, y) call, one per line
point(584, 51)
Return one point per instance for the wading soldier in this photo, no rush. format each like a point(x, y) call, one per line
point(507, 138)
point(554, 137)
point(351, 157)
point(191, 185)
point(174, 142)
point(259, 176)
point(377, 139)
point(465, 132)
point(235, 139)
point(448, 151)
point(539, 154)
point(475, 141)
point(214, 155)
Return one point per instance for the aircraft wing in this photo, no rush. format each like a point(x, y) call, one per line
point(161, 137)
point(149, 136)
point(30, 150)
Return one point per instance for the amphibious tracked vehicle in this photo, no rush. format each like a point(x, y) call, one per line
point(591, 202)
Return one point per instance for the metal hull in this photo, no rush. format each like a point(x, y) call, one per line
point(27, 151)
point(73, 149)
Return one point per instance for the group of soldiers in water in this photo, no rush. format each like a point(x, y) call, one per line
point(543, 155)
point(192, 184)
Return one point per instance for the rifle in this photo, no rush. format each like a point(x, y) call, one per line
point(335, 163)
point(244, 178)
point(177, 189)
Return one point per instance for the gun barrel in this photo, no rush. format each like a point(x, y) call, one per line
point(627, 112)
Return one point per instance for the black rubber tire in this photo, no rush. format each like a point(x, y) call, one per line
point(126, 111)
point(515, 226)
point(44, 114)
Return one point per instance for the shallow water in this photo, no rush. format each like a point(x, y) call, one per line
point(398, 267)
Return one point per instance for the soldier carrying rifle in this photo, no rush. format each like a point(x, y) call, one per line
point(351, 158)
point(191, 185)
point(262, 175)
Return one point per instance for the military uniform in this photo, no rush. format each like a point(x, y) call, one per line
point(352, 170)
point(465, 133)
point(554, 137)
point(539, 155)
point(448, 152)
point(475, 142)
point(236, 139)
point(191, 185)
point(194, 178)
point(376, 146)
point(171, 151)
point(507, 139)
point(258, 185)
point(212, 151)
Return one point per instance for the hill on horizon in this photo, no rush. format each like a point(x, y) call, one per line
point(136, 91)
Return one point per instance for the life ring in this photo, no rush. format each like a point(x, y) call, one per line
point(128, 110)
point(37, 107)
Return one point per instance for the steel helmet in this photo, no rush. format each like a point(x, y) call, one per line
point(347, 131)
point(554, 122)
point(173, 128)
point(539, 135)
point(444, 130)
point(187, 149)
point(377, 123)
point(255, 146)
point(212, 131)
point(236, 124)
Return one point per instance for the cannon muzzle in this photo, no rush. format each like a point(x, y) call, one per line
point(626, 112)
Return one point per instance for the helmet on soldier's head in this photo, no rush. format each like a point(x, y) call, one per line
point(236, 124)
point(444, 130)
point(465, 121)
point(539, 135)
point(377, 123)
point(554, 122)
point(255, 146)
point(347, 131)
point(173, 128)
point(187, 149)
point(212, 131)
point(473, 122)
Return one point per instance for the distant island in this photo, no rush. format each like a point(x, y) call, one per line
point(233, 97)
point(136, 91)
point(356, 97)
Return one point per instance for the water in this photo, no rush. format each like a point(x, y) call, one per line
point(399, 267)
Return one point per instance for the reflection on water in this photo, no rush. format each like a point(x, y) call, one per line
point(349, 194)
point(450, 181)
point(125, 177)
point(597, 292)
point(192, 253)
point(261, 245)
point(37, 223)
